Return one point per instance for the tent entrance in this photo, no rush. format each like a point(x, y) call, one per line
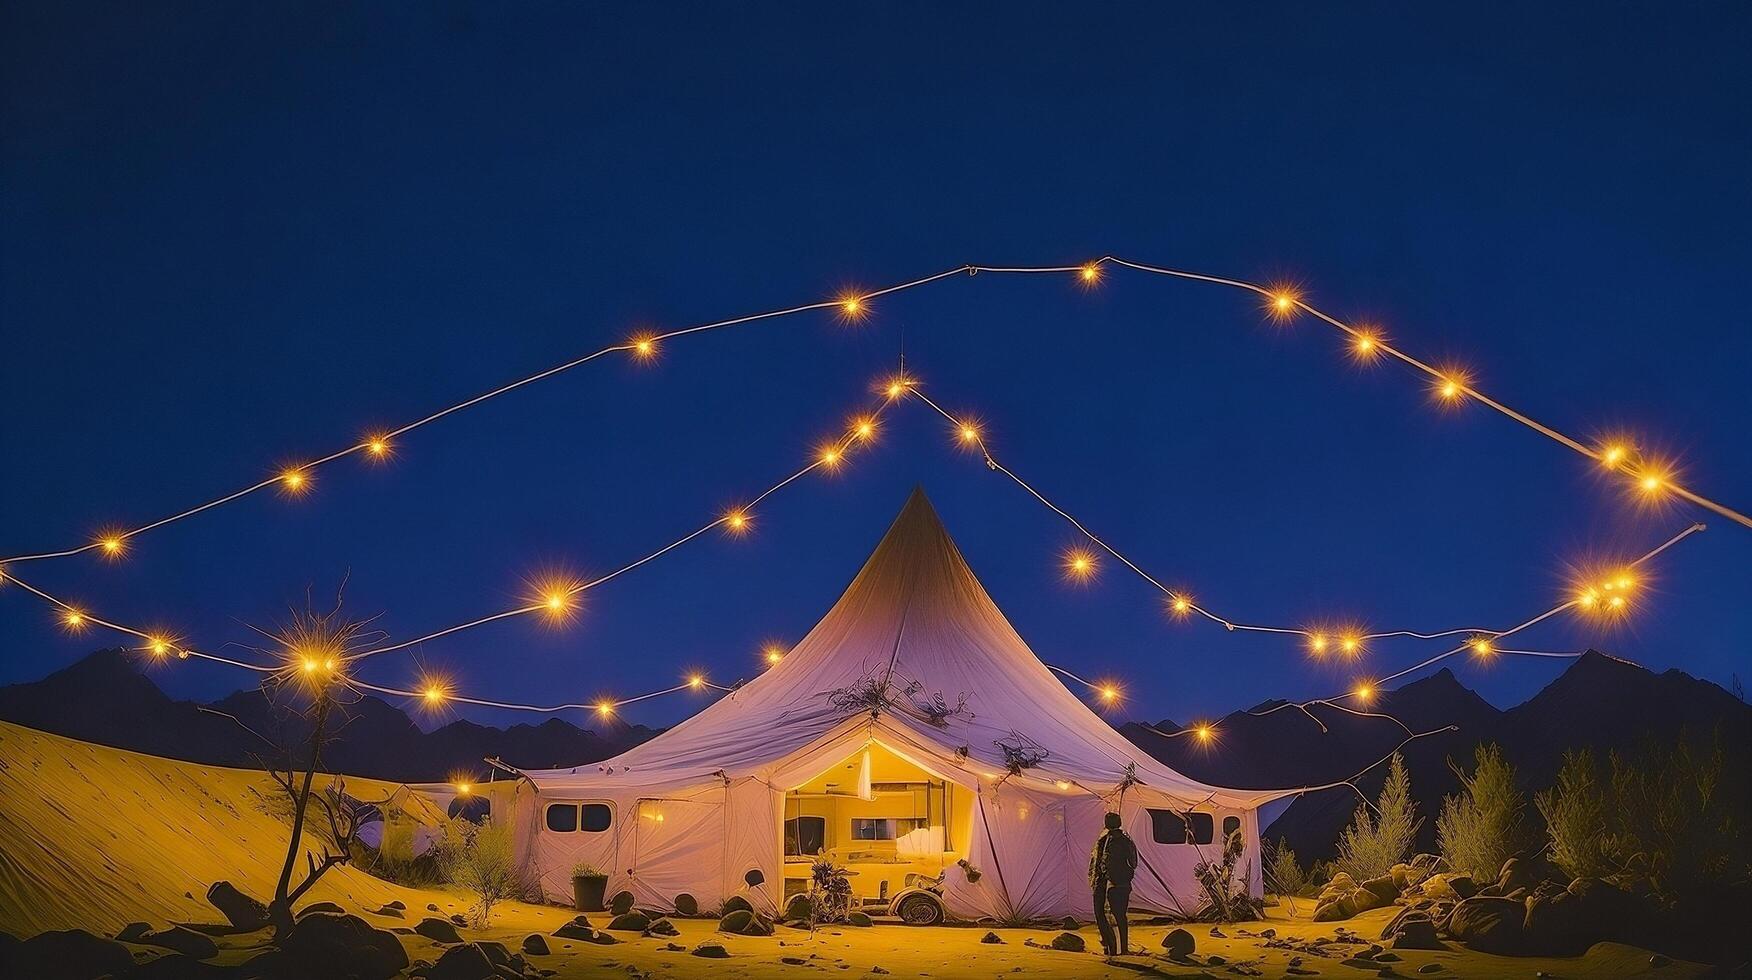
point(881, 817)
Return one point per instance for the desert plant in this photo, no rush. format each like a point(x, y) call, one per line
point(1676, 815)
point(1282, 872)
point(1374, 843)
point(582, 870)
point(1575, 812)
point(394, 860)
point(1484, 824)
point(1224, 883)
point(830, 893)
point(480, 858)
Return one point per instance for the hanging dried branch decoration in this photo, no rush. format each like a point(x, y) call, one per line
point(869, 694)
point(1021, 752)
point(935, 711)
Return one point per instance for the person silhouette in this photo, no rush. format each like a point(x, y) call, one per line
point(1111, 867)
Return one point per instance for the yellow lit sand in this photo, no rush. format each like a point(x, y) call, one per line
point(94, 838)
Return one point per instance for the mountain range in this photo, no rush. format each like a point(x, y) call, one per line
point(1600, 702)
point(104, 698)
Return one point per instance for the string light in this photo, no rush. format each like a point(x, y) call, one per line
point(113, 544)
point(1279, 299)
point(864, 428)
point(773, 654)
point(605, 708)
point(967, 432)
point(378, 446)
point(737, 521)
point(1450, 384)
point(1080, 564)
point(644, 346)
point(294, 481)
point(1109, 693)
point(1180, 604)
point(1613, 454)
point(1203, 732)
point(1317, 643)
point(1365, 345)
point(1482, 647)
point(1364, 692)
point(1090, 273)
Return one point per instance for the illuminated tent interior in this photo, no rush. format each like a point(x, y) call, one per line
point(911, 734)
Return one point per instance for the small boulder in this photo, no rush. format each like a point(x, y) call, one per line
point(578, 928)
point(1179, 944)
point(991, 939)
point(1383, 888)
point(735, 921)
point(239, 909)
point(711, 951)
point(1487, 924)
point(736, 903)
point(388, 912)
point(132, 932)
point(328, 907)
point(431, 906)
point(621, 903)
point(464, 962)
point(686, 905)
point(331, 945)
point(1416, 932)
point(1431, 968)
point(662, 927)
point(860, 919)
point(458, 921)
point(535, 944)
point(798, 908)
point(68, 953)
point(1215, 960)
point(1449, 886)
point(634, 921)
point(1069, 942)
point(182, 940)
point(438, 930)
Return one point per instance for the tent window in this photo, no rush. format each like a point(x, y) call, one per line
point(805, 836)
point(1231, 827)
point(1169, 827)
point(596, 819)
point(562, 817)
point(884, 828)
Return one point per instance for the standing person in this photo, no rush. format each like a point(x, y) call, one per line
point(1110, 871)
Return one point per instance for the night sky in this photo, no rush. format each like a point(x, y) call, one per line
point(234, 238)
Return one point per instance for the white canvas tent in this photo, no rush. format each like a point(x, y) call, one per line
point(983, 757)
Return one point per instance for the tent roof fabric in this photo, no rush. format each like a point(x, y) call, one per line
point(914, 654)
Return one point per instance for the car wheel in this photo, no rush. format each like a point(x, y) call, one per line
point(920, 910)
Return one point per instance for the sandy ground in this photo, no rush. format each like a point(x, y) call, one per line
point(94, 838)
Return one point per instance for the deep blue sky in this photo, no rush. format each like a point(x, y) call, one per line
point(233, 238)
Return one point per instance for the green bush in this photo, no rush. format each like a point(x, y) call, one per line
point(1283, 875)
point(1373, 844)
point(481, 859)
point(1485, 824)
point(1575, 819)
point(1677, 819)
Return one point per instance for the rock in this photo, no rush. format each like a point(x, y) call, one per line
point(1069, 942)
point(735, 903)
point(1556, 925)
point(662, 927)
point(686, 905)
point(798, 907)
point(621, 903)
point(634, 921)
point(877, 969)
point(464, 962)
point(535, 944)
point(431, 906)
point(578, 928)
point(182, 940)
point(68, 954)
point(673, 948)
point(1179, 944)
point(601, 938)
point(132, 932)
point(792, 960)
point(388, 912)
point(500, 956)
point(1431, 968)
point(239, 909)
point(1217, 933)
point(1416, 932)
point(1068, 924)
point(711, 951)
point(1487, 924)
point(1383, 888)
point(992, 939)
point(438, 930)
point(735, 921)
point(1658, 960)
point(859, 919)
point(458, 921)
point(1268, 933)
point(1449, 886)
point(325, 944)
point(1215, 960)
point(328, 907)
point(396, 904)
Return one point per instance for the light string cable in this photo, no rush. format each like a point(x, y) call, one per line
point(1180, 604)
point(557, 599)
point(1606, 599)
point(1651, 476)
point(296, 479)
point(1648, 475)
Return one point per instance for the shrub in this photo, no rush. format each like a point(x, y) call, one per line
point(1484, 825)
point(1371, 845)
point(1224, 882)
point(480, 859)
point(1677, 820)
point(1282, 873)
point(1575, 819)
point(394, 858)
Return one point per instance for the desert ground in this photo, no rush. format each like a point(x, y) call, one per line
point(96, 838)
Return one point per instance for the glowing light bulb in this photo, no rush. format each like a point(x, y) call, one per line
point(463, 789)
point(158, 646)
point(1350, 643)
point(852, 306)
point(696, 681)
point(1364, 692)
point(605, 707)
point(1180, 604)
point(294, 481)
point(864, 428)
point(1317, 643)
point(1612, 454)
point(967, 432)
point(377, 446)
point(896, 386)
point(73, 619)
point(774, 654)
point(1090, 273)
point(830, 457)
point(1650, 483)
point(737, 521)
point(1283, 303)
point(644, 346)
point(1080, 564)
point(1450, 384)
point(433, 694)
point(1109, 693)
point(112, 545)
point(308, 664)
point(1365, 345)
point(1203, 733)
point(1482, 646)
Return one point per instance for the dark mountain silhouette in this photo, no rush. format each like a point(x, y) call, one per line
point(104, 698)
point(1600, 702)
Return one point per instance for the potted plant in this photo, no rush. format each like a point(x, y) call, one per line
point(589, 885)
